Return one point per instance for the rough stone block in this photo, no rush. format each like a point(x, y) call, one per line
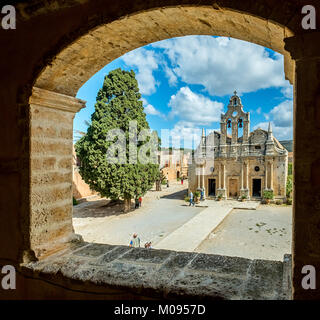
point(264, 280)
point(113, 254)
point(93, 250)
point(146, 255)
point(223, 264)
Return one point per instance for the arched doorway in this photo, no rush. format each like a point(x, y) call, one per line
point(65, 58)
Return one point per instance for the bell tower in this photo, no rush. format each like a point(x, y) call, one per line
point(235, 118)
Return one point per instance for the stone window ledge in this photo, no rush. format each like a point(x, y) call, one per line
point(123, 272)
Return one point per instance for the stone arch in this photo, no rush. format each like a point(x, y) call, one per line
point(60, 80)
point(50, 29)
point(76, 63)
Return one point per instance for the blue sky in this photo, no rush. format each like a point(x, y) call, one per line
point(186, 83)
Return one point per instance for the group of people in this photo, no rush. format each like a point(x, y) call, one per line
point(135, 242)
point(138, 202)
point(191, 197)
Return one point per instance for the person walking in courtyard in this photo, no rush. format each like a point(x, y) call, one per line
point(191, 199)
point(202, 193)
point(137, 204)
point(167, 183)
point(140, 201)
point(181, 180)
point(135, 241)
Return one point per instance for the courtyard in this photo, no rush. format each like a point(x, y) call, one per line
point(232, 228)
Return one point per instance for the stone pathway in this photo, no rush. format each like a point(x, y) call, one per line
point(191, 234)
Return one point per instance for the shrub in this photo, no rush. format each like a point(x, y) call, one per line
point(243, 197)
point(197, 194)
point(289, 186)
point(278, 202)
point(187, 199)
point(289, 169)
point(268, 194)
point(219, 196)
point(289, 201)
point(74, 201)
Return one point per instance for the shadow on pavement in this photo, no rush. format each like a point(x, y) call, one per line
point(176, 195)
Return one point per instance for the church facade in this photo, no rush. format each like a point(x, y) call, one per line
point(234, 165)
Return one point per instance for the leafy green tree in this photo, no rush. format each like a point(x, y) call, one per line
point(117, 104)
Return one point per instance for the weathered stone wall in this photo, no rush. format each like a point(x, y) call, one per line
point(79, 188)
point(51, 133)
point(121, 272)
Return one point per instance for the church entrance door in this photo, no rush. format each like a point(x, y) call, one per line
point(256, 187)
point(212, 187)
point(233, 188)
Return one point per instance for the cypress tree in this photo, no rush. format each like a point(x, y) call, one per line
point(117, 104)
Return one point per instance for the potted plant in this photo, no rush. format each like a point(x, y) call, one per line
point(219, 197)
point(197, 197)
point(243, 198)
point(267, 195)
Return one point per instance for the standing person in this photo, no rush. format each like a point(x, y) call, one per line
point(191, 199)
point(181, 180)
point(136, 203)
point(202, 193)
point(140, 201)
point(135, 241)
point(167, 183)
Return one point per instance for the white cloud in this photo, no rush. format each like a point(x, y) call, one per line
point(150, 109)
point(184, 134)
point(222, 65)
point(146, 62)
point(287, 91)
point(281, 118)
point(172, 77)
point(194, 108)
point(282, 114)
point(258, 111)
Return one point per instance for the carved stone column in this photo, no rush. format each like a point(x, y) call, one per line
point(198, 177)
point(306, 165)
point(247, 176)
point(266, 176)
point(203, 183)
point(222, 182)
point(220, 176)
point(51, 126)
point(241, 172)
point(271, 175)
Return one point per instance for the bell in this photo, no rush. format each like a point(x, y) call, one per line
point(229, 123)
point(240, 123)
